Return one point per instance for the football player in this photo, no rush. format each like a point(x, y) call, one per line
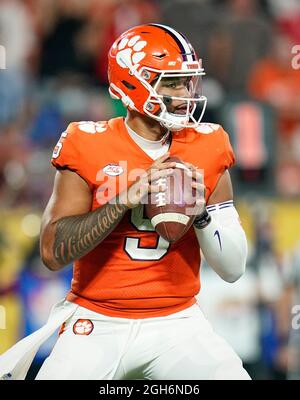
point(135, 312)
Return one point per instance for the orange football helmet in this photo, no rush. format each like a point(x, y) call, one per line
point(137, 62)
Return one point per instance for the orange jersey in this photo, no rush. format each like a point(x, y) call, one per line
point(135, 273)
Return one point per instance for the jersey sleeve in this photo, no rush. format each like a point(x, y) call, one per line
point(225, 159)
point(229, 157)
point(67, 154)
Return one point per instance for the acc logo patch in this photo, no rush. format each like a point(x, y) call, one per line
point(83, 327)
point(113, 169)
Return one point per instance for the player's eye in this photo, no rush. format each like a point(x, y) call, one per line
point(172, 85)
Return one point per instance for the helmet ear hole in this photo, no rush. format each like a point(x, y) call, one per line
point(128, 85)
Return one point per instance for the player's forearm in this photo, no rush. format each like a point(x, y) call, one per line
point(224, 245)
point(75, 236)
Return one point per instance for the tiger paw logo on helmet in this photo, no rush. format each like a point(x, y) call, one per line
point(130, 54)
point(83, 327)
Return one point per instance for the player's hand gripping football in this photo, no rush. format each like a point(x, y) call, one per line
point(139, 190)
point(197, 184)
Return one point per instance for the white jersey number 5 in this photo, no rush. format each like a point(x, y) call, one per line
point(132, 244)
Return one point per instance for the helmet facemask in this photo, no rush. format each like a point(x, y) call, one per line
point(183, 115)
point(159, 106)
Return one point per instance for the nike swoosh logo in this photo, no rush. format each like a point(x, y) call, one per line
point(219, 238)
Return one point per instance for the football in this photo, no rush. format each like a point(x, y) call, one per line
point(170, 211)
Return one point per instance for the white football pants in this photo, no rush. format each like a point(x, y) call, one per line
point(182, 345)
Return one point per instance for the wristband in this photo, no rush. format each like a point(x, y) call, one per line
point(202, 220)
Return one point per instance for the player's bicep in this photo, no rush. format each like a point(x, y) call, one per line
point(223, 190)
point(71, 196)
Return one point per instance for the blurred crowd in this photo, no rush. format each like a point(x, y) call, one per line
point(55, 58)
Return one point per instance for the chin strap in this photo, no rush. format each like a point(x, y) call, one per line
point(172, 122)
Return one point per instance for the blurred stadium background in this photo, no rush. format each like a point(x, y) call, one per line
point(53, 71)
